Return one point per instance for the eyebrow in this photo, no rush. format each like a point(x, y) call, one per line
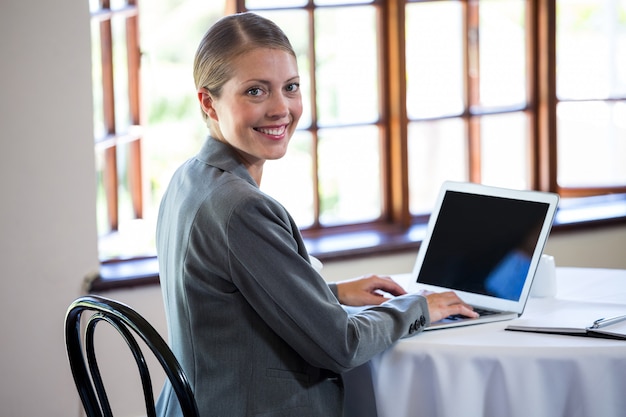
point(262, 81)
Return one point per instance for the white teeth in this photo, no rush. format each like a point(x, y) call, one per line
point(274, 132)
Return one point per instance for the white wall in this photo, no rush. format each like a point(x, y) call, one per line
point(47, 211)
point(47, 197)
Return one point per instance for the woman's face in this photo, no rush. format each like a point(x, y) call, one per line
point(259, 107)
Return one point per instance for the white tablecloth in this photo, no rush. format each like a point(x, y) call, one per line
point(484, 370)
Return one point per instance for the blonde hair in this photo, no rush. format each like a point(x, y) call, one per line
point(228, 38)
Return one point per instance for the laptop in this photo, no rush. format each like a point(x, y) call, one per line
point(484, 243)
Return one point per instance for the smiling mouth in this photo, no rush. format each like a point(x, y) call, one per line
point(272, 131)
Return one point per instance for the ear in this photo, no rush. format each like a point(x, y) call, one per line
point(206, 101)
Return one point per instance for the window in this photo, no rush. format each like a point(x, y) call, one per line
point(591, 94)
point(399, 95)
point(468, 110)
point(117, 117)
point(465, 90)
point(146, 115)
point(332, 174)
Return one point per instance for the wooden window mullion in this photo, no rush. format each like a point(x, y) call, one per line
point(472, 85)
point(314, 122)
point(546, 100)
point(108, 101)
point(134, 62)
point(396, 118)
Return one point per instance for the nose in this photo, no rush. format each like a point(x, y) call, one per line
point(278, 106)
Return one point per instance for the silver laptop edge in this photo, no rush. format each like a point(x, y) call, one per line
point(512, 307)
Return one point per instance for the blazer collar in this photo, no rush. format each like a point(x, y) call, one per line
point(224, 157)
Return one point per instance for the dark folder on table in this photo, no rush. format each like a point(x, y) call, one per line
point(613, 328)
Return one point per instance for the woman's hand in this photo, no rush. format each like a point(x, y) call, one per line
point(444, 304)
point(370, 289)
point(367, 290)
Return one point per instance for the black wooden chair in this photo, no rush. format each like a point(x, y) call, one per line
point(129, 324)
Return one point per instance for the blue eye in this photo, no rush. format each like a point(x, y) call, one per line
point(293, 87)
point(255, 91)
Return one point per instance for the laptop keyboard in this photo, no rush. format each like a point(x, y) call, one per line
point(481, 311)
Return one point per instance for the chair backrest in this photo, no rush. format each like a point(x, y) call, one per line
point(129, 324)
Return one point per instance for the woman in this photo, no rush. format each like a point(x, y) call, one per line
point(256, 328)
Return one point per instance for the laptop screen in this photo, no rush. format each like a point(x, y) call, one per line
point(483, 244)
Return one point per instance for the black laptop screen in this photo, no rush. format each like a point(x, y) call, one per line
point(483, 244)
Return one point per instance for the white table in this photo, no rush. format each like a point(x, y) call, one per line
point(486, 371)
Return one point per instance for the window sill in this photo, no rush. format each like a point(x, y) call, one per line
point(573, 214)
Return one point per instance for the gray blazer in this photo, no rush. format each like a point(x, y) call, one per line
point(257, 330)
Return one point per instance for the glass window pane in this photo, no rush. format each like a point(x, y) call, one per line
point(162, 155)
point(266, 4)
point(118, 4)
point(437, 151)
point(592, 144)
point(99, 130)
point(125, 206)
point(290, 179)
point(295, 24)
point(591, 49)
point(120, 76)
point(434, 60)
point(505, 153)
point(349, 174)
point(94, 6)
point(331, 2)
point(502, 53)
point(347, 65)
point(168, 94)
point(101, 197)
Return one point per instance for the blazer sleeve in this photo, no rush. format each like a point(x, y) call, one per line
point(269, 265)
